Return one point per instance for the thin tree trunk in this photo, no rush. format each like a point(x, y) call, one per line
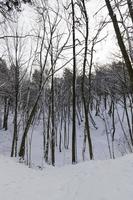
point(22, 146)
point(83, 82)
point(52, 117)
point(6, 113)
point(15, 133)
point(47, 142)
point(74, 87)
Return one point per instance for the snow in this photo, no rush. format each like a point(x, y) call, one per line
point(99, 141)
point(94, 180)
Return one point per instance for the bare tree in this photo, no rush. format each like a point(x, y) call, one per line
point(120, 41)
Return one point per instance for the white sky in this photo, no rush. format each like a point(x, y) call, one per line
point(104, 49)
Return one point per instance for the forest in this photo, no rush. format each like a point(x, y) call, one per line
point(58, 104)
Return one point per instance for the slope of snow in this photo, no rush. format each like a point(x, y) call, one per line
point(94, 180)
point(99, 141)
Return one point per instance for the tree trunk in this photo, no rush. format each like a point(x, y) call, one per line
point(74, 88)
point(6, 113)
point(52, 115)
point(120, 42)
point(83, 82)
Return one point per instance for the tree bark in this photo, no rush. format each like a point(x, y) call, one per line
point(74, 87)
point(83, 82)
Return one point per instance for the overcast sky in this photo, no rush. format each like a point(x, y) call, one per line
point(104, 49)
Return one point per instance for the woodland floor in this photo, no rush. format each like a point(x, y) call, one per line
point(95, 180)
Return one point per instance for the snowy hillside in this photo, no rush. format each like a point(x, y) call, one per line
point(95, 180)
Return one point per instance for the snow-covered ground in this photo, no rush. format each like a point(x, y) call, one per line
point(94, 180)
point(99, 141)
point(90, 180)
